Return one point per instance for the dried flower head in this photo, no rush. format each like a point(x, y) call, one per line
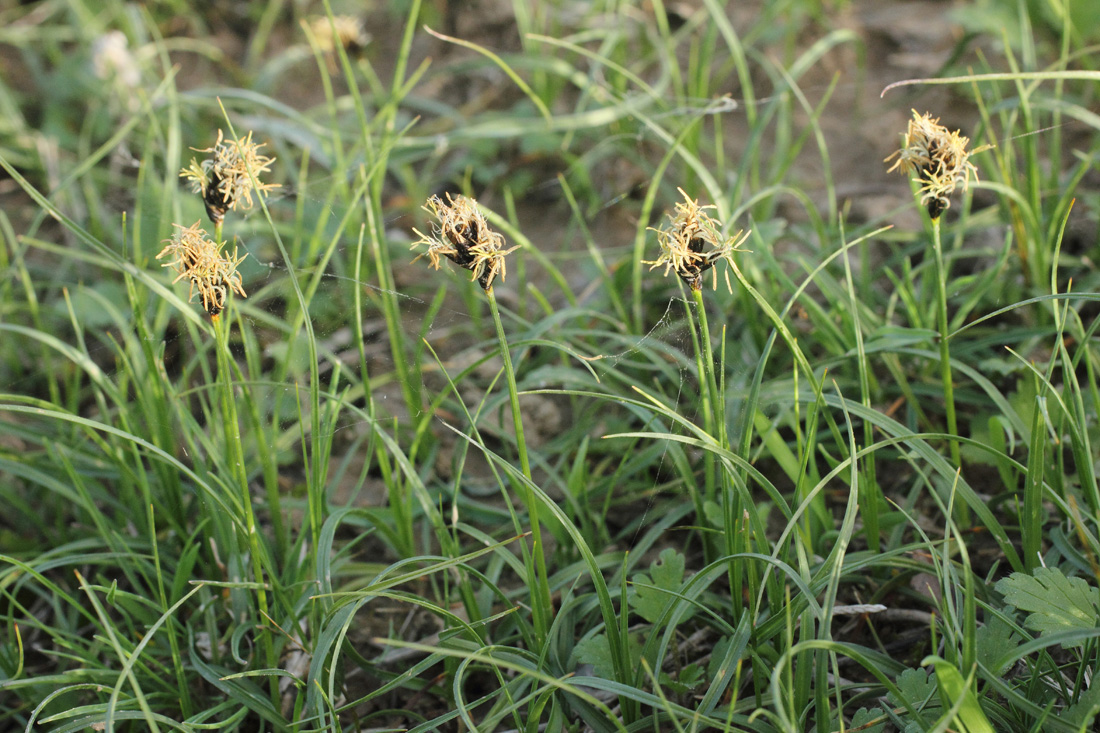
point(463, 236)
point(692, 243)
point(938, 157)
point(349, 32)
point(111, 59)
point(223, 179)
point(198, 259)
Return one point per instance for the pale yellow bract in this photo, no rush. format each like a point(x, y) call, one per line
point(938, 157)
point(692, 243)
point(199, 259)
point(462, 235)
point(223, 179)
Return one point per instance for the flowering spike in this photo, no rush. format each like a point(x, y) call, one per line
point(938, 157)
point(223, 179)
point(199, 260)
point(462, 235)
point(344, 30)
point(692, 243)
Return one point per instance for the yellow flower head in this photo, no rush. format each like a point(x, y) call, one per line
point(349, 32)
point(199, 260)
point(692, 243)
point(223, 179)
point(938, 157)
point(462, 235)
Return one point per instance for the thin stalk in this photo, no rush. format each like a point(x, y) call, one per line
point(945, 360)
point(317, 467)
point(714, 396)
point(714, 417)
point(704, 359)
point(235, 455)
point(540, 590)
point(265, 447)
point(713, 412)
point(357, 323)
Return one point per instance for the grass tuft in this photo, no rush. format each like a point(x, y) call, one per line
point(855, 489)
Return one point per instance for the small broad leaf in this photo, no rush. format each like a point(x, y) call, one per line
point(1083, 713)
point(916, 690)
point(713, 514)
point(688, 679)
point(717, 654)
point(916, 687)
point(656, 592)
point(1053, 601)
point(996, 641)
point(692, 675)
point(596, 650)
point(863, 719)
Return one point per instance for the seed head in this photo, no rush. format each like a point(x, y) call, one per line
point(938, 157)
point(349, 32)
point(692, 242)
point(209, 272)
point(111, 58)
point(462, 235)
point(223, 179)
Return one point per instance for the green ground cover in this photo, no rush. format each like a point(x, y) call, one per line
point(548, 366)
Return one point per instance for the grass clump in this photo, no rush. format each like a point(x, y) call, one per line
point(853, 490)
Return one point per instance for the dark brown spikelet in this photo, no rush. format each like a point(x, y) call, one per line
point(692, 243)
point(939, 159)
point(223, 179)
point(214, 198)
point(208, 271)
point(461, 234)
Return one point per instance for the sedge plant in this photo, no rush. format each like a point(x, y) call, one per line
point(940, 161)
point(691, 244)
point(226, 181)
point(120, 400)
point(461, 234)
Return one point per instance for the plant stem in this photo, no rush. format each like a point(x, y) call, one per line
point(712, 411)
point(540, 590)
point(945, 360)
point(714, 418)
point(713, 414)
point(235, 455)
